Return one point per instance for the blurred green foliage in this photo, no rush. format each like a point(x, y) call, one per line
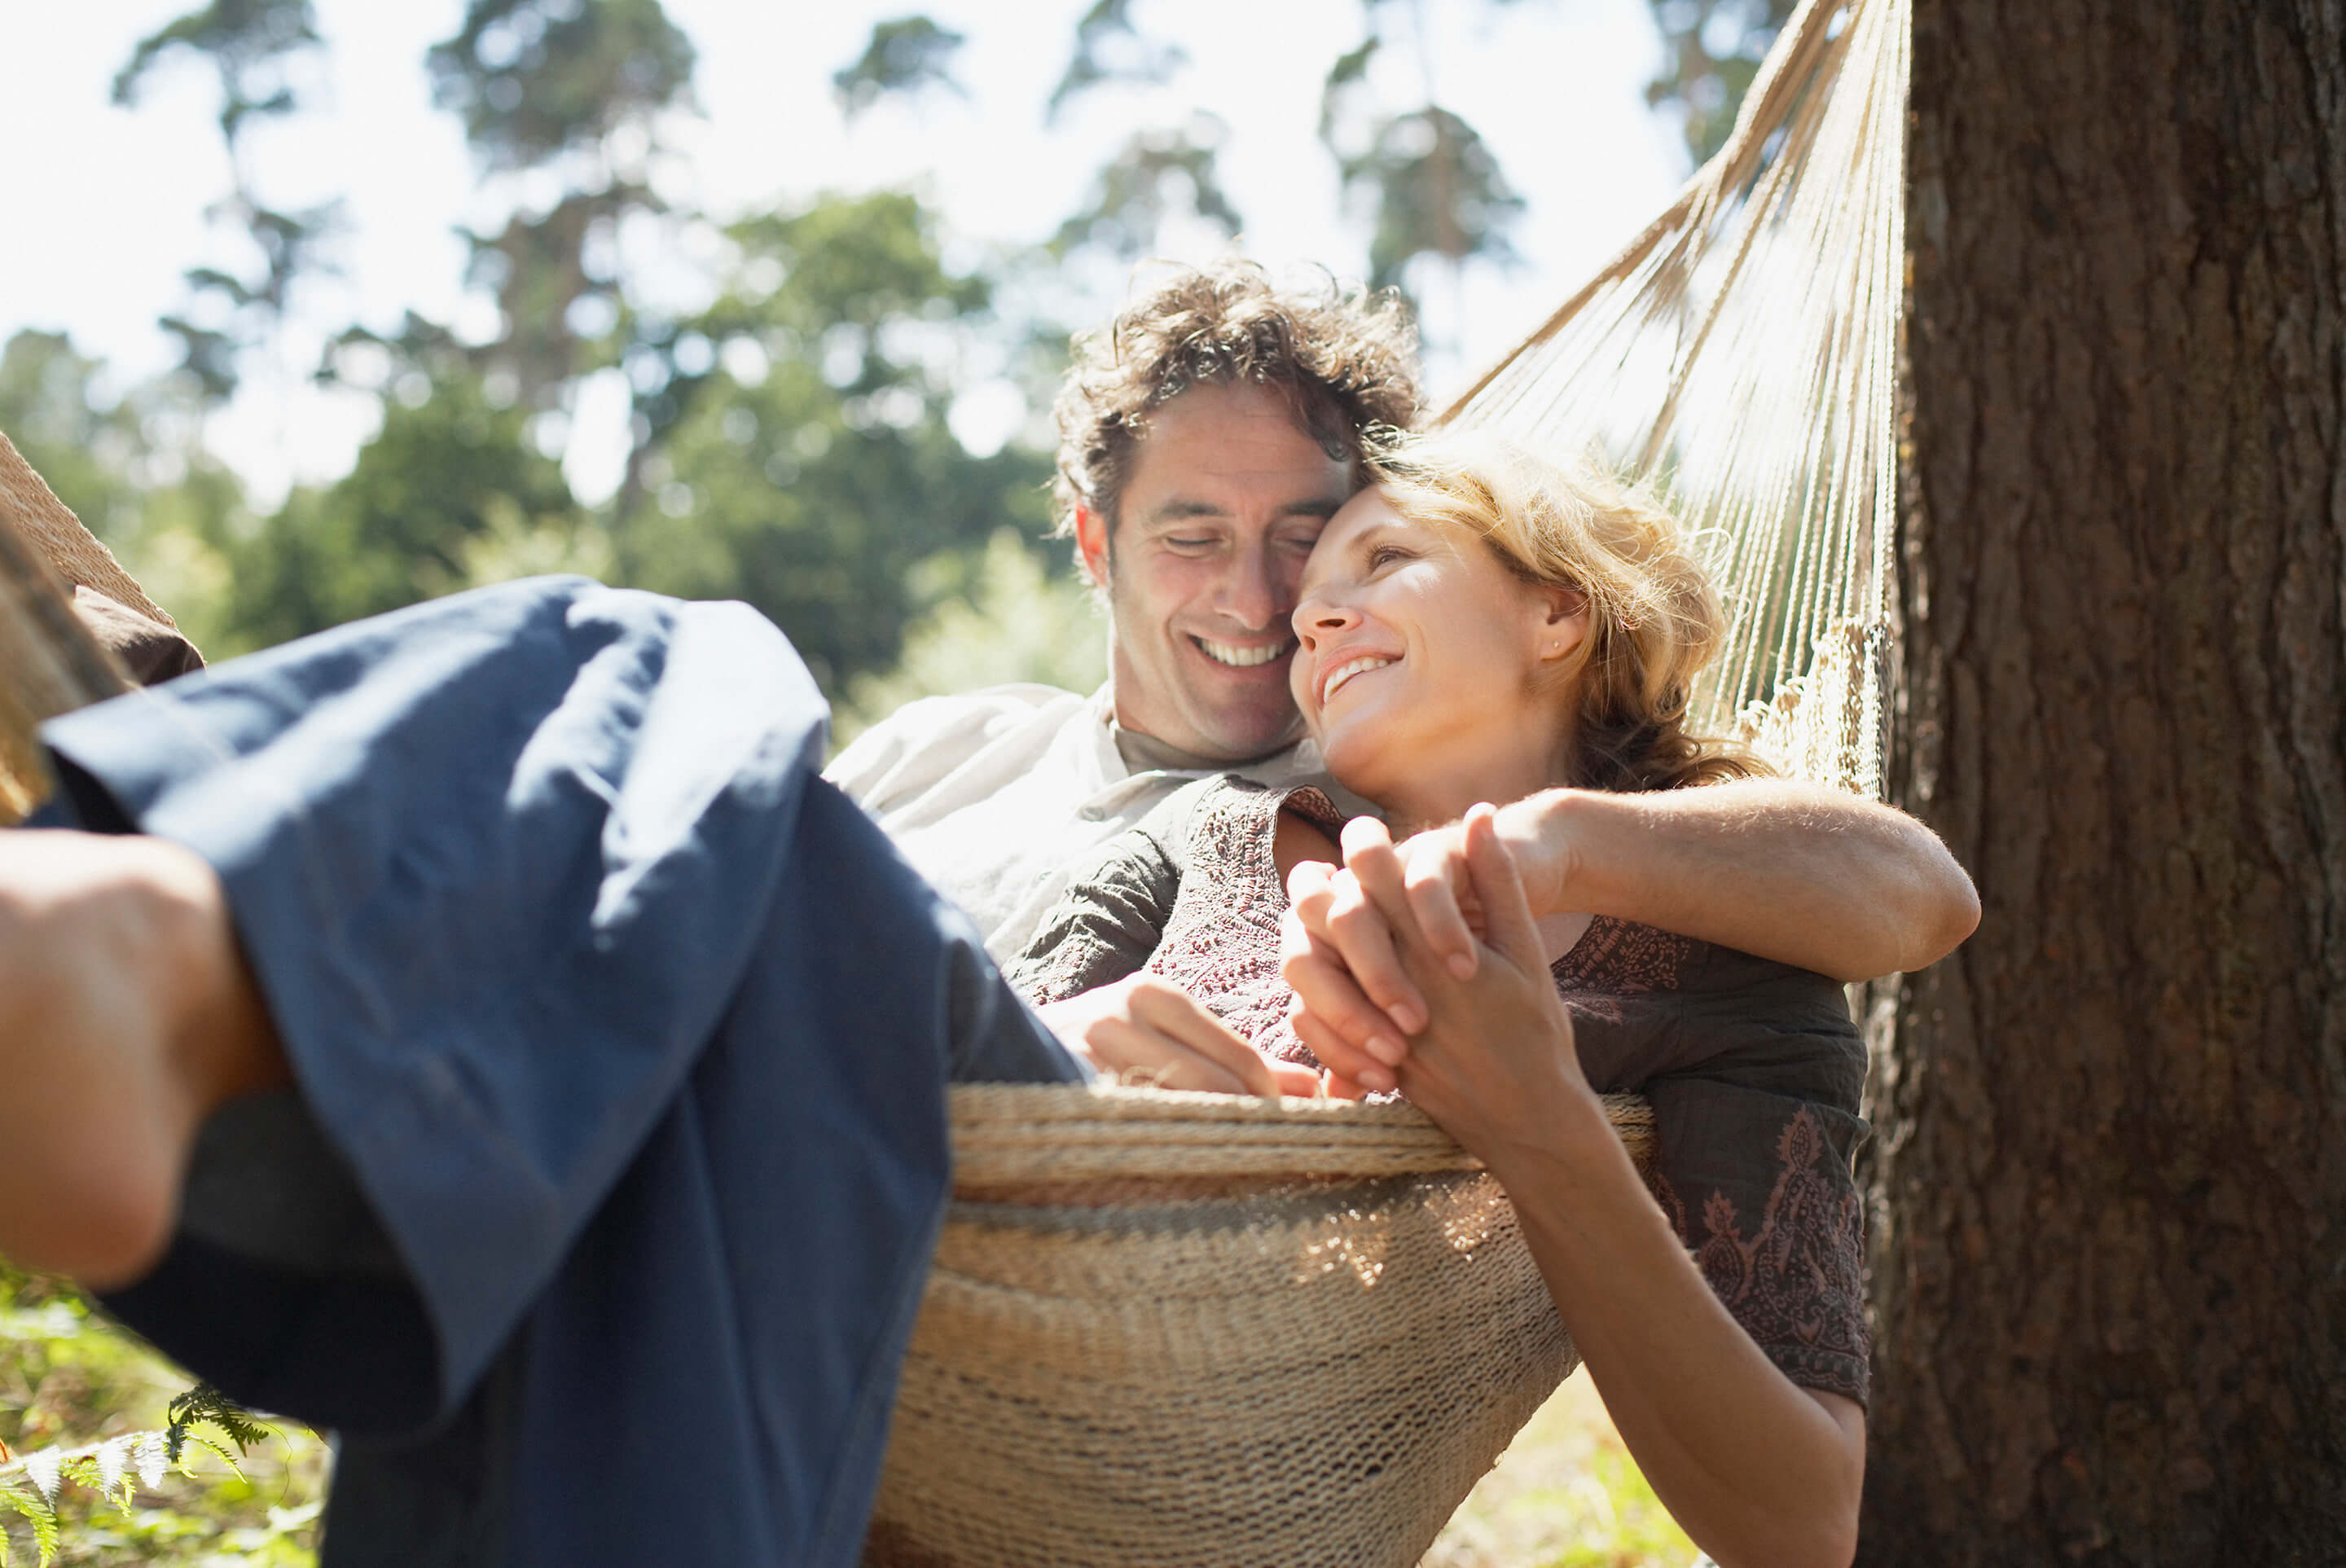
point(1161, 171)
point(1435, 189)
point(571, 91)
point(231, 313)
point(1428, 183)
point(449, 489)
point(905, 55)
point(1566, 1494)
point(1110, 50)
point(70, 1380)
point(1015, 618)
point(796, 453)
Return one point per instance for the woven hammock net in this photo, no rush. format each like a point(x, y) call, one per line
point(1177, 1329)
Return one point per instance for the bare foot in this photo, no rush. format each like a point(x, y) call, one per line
point(126, 1015)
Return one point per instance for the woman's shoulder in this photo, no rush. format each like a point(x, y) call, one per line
point(1651, 1003)
point(1227, 819)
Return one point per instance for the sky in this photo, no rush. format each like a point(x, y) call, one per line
point(108, 206)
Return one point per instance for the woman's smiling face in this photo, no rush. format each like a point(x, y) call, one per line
point(1426, 670)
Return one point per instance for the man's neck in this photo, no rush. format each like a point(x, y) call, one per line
point(1145, 753)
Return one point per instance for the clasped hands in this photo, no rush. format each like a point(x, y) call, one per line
point(1420, 966)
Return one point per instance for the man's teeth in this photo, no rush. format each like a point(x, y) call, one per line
point(1347, 670)
point(1222, 652)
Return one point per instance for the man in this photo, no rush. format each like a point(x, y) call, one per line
point(1206, 436)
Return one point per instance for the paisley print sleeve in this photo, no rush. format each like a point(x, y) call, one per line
point(1761, 1190)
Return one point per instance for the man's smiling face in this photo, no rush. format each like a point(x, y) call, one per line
point(1225, 497)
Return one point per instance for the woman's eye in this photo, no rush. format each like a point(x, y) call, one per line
point(1384, 554)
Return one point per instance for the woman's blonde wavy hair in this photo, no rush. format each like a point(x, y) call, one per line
point(1654, 620)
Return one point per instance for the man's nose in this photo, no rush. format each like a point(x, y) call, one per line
point(1254, 592)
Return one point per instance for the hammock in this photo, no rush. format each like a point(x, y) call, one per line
point(1171, 1329)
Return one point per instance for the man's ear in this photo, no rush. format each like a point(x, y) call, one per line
point(1091, 544)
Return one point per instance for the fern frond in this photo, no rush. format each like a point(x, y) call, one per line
point(112, 1465)
point(226, 1458)
point(45, 1468)
point(148, 1458)
point(38, 1512)
point(206, 1404)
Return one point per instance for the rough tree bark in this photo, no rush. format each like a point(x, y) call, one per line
point(2110, 1269)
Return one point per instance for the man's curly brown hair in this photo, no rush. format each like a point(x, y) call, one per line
point(1349, 357)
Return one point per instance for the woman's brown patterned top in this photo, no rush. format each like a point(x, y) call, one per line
point(1753, 1067)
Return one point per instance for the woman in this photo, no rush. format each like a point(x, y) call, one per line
point(1477, 627)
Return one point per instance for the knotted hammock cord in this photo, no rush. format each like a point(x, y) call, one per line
point(1174, 1328)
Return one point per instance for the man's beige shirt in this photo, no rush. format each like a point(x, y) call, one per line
point(996, 796)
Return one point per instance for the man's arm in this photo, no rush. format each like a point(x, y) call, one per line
point(1796, 873)
point(1800, 873)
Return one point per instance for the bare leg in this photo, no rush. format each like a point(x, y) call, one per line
point(127, 1014)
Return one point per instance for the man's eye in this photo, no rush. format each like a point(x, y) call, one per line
point(1193, 542)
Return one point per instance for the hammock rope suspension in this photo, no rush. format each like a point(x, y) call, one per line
point(1740, 356)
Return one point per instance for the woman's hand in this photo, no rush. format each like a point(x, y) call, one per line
point(1148, 1029)
point(1495, 1062)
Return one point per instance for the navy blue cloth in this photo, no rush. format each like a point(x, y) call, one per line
point(633, 1032)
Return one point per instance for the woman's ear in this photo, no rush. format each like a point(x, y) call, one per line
point(1564, 624)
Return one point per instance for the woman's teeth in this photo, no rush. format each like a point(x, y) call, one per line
point(1222, 652)
point(1346, 671)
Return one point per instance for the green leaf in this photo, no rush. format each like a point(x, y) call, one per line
point(206, 1404)
point(38, 1512)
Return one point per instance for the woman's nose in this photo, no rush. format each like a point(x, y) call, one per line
point(1316, 617)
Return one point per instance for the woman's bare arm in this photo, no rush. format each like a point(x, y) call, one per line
point(1756, 1468)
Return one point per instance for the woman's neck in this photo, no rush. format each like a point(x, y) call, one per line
point(1443, 790)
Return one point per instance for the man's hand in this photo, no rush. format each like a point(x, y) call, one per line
point(1145, 1028)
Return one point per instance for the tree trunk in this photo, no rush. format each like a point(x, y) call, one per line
point(2110, 1256)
